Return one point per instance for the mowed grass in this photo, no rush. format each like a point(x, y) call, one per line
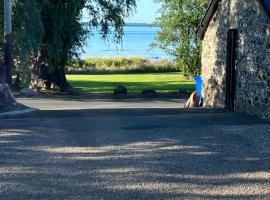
point(135, 83)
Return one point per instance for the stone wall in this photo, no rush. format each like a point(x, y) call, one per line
point(253, 60)
point(214, 59)
point(253, 57)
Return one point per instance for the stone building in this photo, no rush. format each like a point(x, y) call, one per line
point(235, 38)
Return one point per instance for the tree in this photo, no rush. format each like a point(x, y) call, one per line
point(179, 21)
point(65, 32)
point(23, 45)
point(26, 33)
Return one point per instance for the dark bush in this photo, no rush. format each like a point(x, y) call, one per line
point(121, 89)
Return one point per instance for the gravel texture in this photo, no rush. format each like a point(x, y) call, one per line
point(134, 154)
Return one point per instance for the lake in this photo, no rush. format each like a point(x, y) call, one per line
point(136, 41)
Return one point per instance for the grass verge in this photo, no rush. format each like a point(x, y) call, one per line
point(135, 83)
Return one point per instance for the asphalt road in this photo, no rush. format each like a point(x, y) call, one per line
point(134, 153)
point(84, 103)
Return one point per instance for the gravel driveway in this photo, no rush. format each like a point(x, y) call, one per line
point(134, 154)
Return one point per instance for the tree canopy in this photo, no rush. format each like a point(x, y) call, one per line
point(50, 32)
point(65, 34)
point(179, 21)
point(27, 32)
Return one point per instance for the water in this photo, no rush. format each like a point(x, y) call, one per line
point(136, 41)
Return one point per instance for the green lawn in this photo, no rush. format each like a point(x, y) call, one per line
point(161, 82)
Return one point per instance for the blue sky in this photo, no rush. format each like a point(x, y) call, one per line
point(146, 12)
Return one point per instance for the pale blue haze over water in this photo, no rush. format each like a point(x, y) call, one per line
point(136, 41)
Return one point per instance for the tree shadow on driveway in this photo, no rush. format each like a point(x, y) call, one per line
point(135, 154)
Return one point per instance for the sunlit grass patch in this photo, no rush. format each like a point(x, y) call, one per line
point(161, 82)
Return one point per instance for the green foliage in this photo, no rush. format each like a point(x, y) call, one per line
point(65, 32)
point(27, 33)
point(108, 16)
point(49, 33)
point(27, 25)
point(119, 65)
point(179, 21)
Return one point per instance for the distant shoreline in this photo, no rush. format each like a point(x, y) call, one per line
point(106, 57)
point(141, 25)
point(136, 25)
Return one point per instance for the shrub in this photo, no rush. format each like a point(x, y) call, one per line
point(121, 89)
point(120, 65)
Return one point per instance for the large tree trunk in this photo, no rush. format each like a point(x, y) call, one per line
point(44, 78)
point(39, 77)
point(7, 101)
point(57, 79)
point(39, 71)
point(6, 97)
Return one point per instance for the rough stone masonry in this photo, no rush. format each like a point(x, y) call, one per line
point(252, 61)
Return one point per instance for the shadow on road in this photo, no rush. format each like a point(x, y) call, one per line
point(135, 154)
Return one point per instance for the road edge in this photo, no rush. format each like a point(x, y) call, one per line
point(17, 113)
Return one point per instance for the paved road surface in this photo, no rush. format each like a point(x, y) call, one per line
point(134, 154)
point(75, 104)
